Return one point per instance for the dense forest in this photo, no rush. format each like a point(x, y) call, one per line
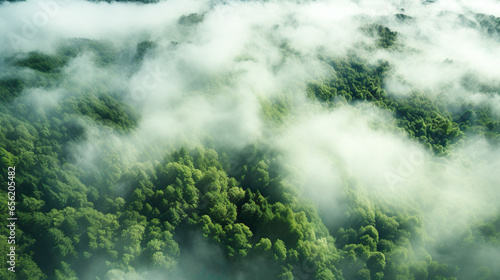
point(185, 152)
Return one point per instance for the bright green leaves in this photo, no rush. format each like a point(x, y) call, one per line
point(131, 242)
point(104, 53)
point(10, 88)
point(42, 62)
point(106, 110)
point(7, 159)
point(237, 239)
point(279, 250)
point(263, 246)
point(384, 37)
point(376, 262)
point(424, 118)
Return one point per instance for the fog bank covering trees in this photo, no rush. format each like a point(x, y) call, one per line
point(251, 139)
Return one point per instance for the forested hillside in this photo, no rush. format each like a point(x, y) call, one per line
point(250, 140)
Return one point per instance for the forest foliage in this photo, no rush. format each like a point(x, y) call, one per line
point(74, 224)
